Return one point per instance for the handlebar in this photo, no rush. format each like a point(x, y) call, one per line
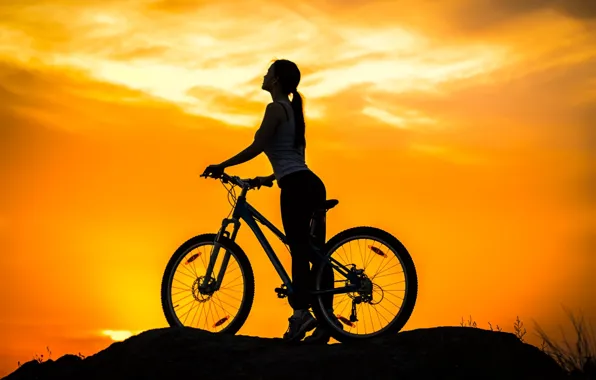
point(244, 183)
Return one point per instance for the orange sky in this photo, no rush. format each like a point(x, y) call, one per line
point(462, 127)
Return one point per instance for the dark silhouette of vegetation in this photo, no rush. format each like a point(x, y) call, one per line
point(577, 359)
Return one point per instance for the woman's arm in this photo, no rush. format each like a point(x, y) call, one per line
point(272, 118)
point(246, 155)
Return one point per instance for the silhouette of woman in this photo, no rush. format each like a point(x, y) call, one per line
point(281, 137)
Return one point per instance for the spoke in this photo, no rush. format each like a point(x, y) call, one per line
point(187, 288)
point(221, 304)
point(195, 314)
point(379, 318)
point(371, 253)
point(233, 286)
point(388, 300)
point(379, 304)
point(351, 253)
point(193, 278)
point(189, 310)
point(211, 314)
point(200, 311)
point(208, 313)
point(380, 268)
point(342, 310)
point(360, 306)
point(194, 269)
point(358, 240)
point(228, 271)
point(205, 311)
point(372, 256)
point(386, 269)
point(346, 257)
point(390, 294)
point(335, 306)
point(231, 282)
point(372, 321)
point(389, 274)
point(188, 269)
point(357, 324)
point(216, 312)
point(186, 285)
point(178, 300)
point(227, 303)
point(181, 291)
point(230, 296)
point(379, 314)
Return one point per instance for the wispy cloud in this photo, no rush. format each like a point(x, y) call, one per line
point(168, 55)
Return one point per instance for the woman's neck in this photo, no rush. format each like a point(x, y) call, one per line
point(277, 97)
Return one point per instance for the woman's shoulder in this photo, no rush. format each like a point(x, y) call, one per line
point(280, 109)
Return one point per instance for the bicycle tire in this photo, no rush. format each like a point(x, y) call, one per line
point(411, 280)
point(243, 263)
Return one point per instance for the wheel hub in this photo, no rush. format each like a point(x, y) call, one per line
point(200, 292)
point(365, 290)
point(366, 287)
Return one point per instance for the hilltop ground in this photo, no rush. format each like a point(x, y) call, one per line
point(180, 353)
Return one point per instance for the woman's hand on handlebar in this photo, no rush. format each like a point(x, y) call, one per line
point(262, 181)
point(214, 171)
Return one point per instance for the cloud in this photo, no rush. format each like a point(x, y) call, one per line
point(166, 54)
point(176, 6)
point(70, 100)
point(574, 8)
point(478, 16)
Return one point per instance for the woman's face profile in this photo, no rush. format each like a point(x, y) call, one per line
point(268, 80)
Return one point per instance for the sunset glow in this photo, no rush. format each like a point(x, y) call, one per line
point(464, 128)
point(117, 336)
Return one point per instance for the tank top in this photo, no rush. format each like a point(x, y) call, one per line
point(282, 154)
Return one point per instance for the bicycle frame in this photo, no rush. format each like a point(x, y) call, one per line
point(244, 211)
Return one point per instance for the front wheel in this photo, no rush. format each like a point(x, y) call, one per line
point(388, 285)
point(219, 310)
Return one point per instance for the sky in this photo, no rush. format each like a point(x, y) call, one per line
point(463, 127)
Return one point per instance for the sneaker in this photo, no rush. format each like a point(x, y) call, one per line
point(300, 323)
point(321, 334)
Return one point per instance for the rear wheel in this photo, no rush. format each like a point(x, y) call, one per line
point(389, 285)
point(185, 303)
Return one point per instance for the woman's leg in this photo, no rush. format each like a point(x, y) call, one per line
point(300, 195)
point(295, 213)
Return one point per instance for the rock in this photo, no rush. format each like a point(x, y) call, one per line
point(181, 353)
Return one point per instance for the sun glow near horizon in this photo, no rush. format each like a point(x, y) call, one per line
point(118, 335)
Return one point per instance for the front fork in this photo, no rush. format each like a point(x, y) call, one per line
point(215, 252)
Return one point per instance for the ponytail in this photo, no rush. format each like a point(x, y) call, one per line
point(297, 107)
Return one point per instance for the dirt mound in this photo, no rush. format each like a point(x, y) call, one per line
point(182, 353)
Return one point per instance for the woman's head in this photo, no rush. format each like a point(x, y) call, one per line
point(283, 77)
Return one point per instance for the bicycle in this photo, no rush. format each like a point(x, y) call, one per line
point(362, 290)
